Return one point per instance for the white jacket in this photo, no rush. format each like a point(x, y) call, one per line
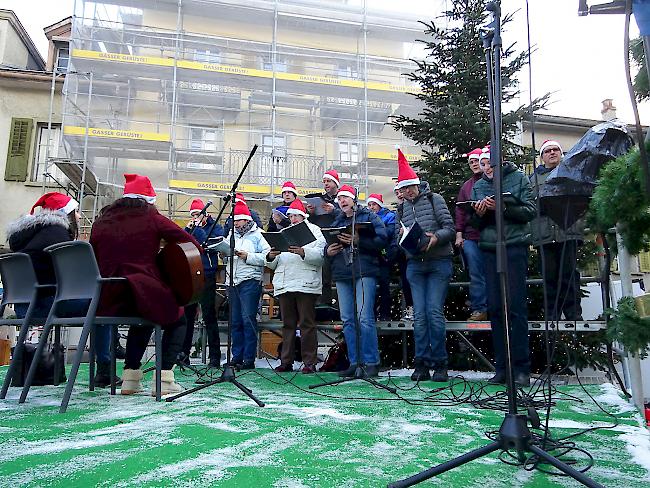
point(295, 274)
point(257, 248)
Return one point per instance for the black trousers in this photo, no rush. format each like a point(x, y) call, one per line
point(517, 269)
point(209, 311)
point(138, 339)
point(562, 283)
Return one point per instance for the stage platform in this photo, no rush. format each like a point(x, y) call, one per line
point(347, 436)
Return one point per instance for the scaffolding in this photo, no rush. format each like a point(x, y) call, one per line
point(180, 90)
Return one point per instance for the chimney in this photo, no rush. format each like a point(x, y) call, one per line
point(608, 111)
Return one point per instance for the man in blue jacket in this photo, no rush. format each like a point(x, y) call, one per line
point(365, 259)
point(199, 226)
point(376, 204)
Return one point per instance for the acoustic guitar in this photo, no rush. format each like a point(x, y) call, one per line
point(182, 269)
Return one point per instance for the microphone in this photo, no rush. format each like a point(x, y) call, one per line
point(205, 208)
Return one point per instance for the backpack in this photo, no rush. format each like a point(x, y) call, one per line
point(337, 357)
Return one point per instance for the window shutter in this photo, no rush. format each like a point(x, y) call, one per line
point(20, 137)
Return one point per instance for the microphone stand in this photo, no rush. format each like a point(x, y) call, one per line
point(228, 375)
point(514, 434)
point(360, 372)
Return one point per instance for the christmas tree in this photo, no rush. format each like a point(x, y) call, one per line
point(453, 83)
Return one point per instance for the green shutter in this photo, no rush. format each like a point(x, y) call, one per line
point(20, 137)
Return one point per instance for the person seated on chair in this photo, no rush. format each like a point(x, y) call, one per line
point(362, 288)
point(518, 212)
point(244, 296)
point(279, 218)
point(198, 227)
point(297, 283)
point(57, 221)
point(126, 239)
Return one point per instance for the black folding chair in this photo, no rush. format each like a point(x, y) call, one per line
point(20, 288)
point(78, 278)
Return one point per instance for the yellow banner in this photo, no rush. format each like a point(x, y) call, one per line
point(238, 70)
point(70, 130)
point(392, 156)
point(244, 188)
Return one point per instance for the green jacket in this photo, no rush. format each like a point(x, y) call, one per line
point(519, 209)
point(544, 229)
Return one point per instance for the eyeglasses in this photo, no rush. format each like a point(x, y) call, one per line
point(551, 149)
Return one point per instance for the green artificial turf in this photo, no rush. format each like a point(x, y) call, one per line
point(353, 436)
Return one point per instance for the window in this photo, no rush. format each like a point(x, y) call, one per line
point(38, 169)
point(347, 71)
point(349, 153)
point(62, 57)
point(280, 63)
point(273, 161)
point(206, 149)
point(207, 55)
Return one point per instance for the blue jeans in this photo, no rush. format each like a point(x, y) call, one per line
point(474, 259)
point(72, 308)
point(365, 293)
point(517, 270)
point(429, 282)
point(244, 299)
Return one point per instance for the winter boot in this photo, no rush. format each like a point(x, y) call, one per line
point(131, 381)
point(167, 383)
point(103, 376)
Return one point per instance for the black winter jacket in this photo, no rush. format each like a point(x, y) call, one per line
point(33, 233)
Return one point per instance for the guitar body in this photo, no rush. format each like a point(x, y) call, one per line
point(182, 269)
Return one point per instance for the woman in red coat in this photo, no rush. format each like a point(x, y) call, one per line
point(126, 239)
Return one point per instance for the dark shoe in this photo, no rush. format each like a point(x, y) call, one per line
point(214, 363)
point(421, 373)
point(522, 380)
point(371, 371)
point(308, 369)
point(103, 376)
point(183, 359)
point(284, 368)
point(236, 365)
point(440, 375)
point(248, 365)
point(498, 379)
point(348, 372)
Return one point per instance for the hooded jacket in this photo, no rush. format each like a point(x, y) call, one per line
point(517, 214)
point(31, 234)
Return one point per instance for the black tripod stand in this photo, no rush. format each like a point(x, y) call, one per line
point(514, 434)
point(360, 373)
point(228, 375)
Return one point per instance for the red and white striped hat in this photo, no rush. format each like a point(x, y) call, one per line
point(297, 208)
point(288, 186)
point(549, 143)
point(377, 198)
point(56, 201)
point(405, 174)
point(138, 186)
point(242, 211)
point(332, 175)
point(346, 191)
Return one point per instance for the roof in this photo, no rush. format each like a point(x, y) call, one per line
point(24, 37)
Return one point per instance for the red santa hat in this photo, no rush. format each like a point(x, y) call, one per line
point(346, 191)
point(485, 153)
point(56, 201)
point(377, 198)
point(196, 206)
point(288, 186)
point(138, 186)
point(474, 153)
point(242, 212)
point(332, 175)
point(239, 197)
point(297, 208)
point(549, 143)
point(405, 174)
